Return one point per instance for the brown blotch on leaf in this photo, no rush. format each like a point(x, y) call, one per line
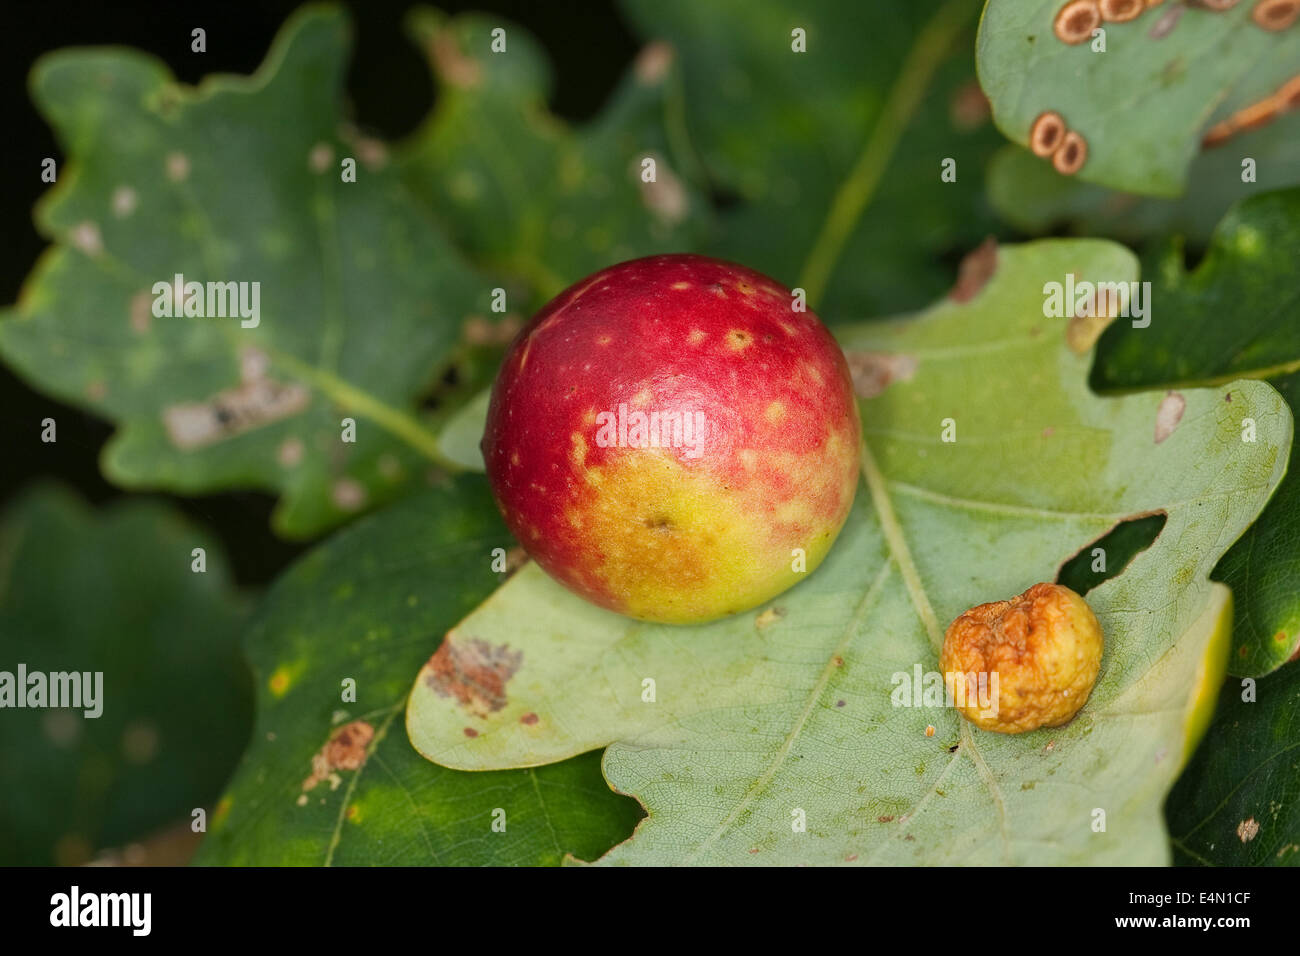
point(479, 330)
point(1275, 15)
point(976, 268)
point(529, 718)
point(1217, 135)
point(969, 108)
point(1071, 156)
point(1120, 11)
point(1076, 20)
point(345, 750)
point(1168, 20)
point(472, 672)
point(516, 558)
point(257, 401)
point(471, 732)
point(653, 63)
point(1047, 133)
point(1256, 114)
point(1169, 414)
point(885, 819)
point(452, 65)
point(1288, 97)
point(873, 372)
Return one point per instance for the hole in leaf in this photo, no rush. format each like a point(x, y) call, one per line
point(1118, 547)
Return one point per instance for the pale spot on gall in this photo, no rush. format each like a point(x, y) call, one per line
point(738, 339)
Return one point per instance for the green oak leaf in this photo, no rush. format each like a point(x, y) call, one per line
point(521, 191)
point(1238, 801)
point(365, 606)
point(114, 592)
point(1034, 197)
point(1144, 104)
point(1237, 315)
point(786, 713)
point(238, 180)
point(460, 438)
point(835, 155)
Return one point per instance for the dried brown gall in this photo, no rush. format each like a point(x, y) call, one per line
point(1046, 134)
point(1037, 656)
point(1275, 14)
point(1076, 20)
point(1071, 156)
point(1120, 11)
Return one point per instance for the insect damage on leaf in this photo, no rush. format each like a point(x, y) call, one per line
point(1168, 415)
point(1255, 115)
point(258, 400)
point(1076, 20)
point(345, 750)
point(873, 372)
point(472, 672)
point(976, 268)
point(1274, 15)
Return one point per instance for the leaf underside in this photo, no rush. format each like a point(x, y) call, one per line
point(788, 708)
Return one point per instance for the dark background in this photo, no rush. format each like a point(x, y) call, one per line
point(390, 91)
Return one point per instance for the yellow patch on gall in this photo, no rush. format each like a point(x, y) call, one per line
point(738, 339)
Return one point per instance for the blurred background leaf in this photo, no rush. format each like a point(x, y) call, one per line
point(522, 192)
point(1237, 315)
point(371, 604)
point(1144, 102)
point(1238, 801)
point(113, 592)
point(1032, 196)
point(828, 162)
point(239, 180)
